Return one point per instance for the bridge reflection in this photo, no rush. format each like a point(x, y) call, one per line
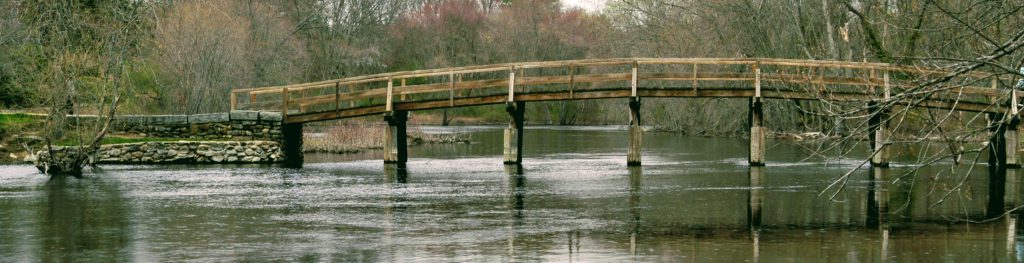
point(881, 214)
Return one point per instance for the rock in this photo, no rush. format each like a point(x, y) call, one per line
point(217, 159)
point(232, 159)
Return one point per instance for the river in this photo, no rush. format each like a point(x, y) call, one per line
point(574, 199)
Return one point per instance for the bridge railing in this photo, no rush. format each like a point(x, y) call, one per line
point(628, 77)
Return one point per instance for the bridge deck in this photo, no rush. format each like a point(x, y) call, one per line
point(631, 77)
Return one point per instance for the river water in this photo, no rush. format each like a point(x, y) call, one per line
point(694, 199)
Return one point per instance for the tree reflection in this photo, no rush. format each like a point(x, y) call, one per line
point(84, 219)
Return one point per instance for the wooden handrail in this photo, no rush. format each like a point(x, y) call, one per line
point(628, 73)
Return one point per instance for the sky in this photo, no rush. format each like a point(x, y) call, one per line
point(589, 5)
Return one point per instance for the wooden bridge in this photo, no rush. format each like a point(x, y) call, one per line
point(881, 86)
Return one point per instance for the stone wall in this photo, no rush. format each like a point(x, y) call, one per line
point(234, 137)
point(182, 152)
point(235, 125)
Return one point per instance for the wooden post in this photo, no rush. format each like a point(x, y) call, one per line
point(572, 80)
point(337, 96)
point(513, 153)
point(695, 94)
point(511, 83)
point(351, 102)
point(391, 87)
point(635, 133)
point(878, 123)
point(634, 80)
point(755, 120)
point(234, 101)
point(395, 143)
point(284, 104)
point(757, 80)
point(451, 89)
point(1011, 139)
point(403, 97)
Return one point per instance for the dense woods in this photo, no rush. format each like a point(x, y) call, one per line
point(184, 56)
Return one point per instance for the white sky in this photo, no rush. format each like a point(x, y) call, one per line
point(589, 5)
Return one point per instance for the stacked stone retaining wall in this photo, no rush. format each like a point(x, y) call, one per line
point(237, 137)
point(182, 152)
point(235, 125)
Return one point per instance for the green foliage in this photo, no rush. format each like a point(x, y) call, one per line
point(19, 72)
point(17, 118)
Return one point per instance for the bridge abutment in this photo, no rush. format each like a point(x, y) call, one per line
point(396, 150)
point(514, 133)
point(757, 132)
point(291, 144)
point(635, 133)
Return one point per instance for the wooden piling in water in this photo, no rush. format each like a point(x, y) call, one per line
point(395, 143)
point(879, 135)
point(757, 132)
point(635, 133)
point(514, 133)
point(1010, 137)
point(1012, 142)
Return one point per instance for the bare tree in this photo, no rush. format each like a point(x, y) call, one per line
point(90, 57)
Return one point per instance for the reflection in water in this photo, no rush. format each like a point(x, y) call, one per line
point(395, 174)
point(694, 200)
point(756, 194)
point(515, 192)
point(878, 199)
point(636, 174)
point(878, 206)
point(996, 188)
point(84, 220)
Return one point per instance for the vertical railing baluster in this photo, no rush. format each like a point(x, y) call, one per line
point(391, 86)
point(757, 80)
point(451, 89)
point(511, 83)
point(634, 80)
point(284, 104)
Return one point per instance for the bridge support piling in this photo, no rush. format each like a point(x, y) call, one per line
point(635, 133)
point(395, 143)
point(1012, 141)
point(757, 132)
point(291, 138)
point(879, 135)
point(514, 133)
